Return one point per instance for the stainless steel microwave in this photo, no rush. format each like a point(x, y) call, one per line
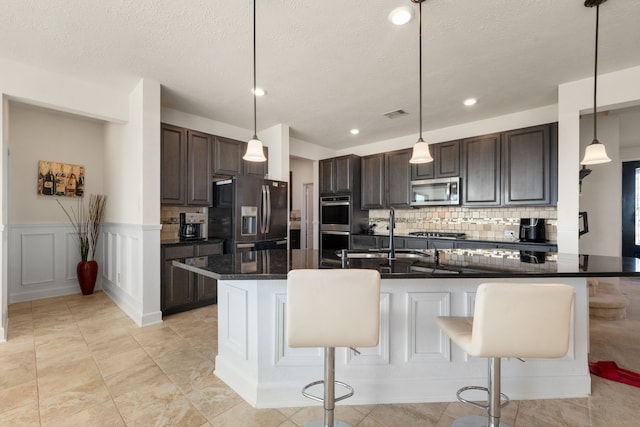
point(435, 192)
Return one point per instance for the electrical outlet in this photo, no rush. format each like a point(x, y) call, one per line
point(510, 233)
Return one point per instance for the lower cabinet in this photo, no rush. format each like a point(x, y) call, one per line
point(183, 290)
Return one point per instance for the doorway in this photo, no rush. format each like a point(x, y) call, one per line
point(306, 241)
point(631, 209)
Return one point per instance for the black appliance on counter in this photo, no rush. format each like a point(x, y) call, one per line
point(250, 213)
point(533, 230)
point(191, 226)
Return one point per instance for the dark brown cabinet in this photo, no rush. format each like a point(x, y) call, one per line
point(446, 162)
point(481, 171)
point(173, 164)
point(181, 289)
point(185, 167)
point(398, 178)
point(227, 156)
point(517, 167)
point(373, 182)
point(386, 180)
point(339, 175)
point(527, 169)
point(198, 168)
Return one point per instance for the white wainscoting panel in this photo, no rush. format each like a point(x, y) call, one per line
point(38, 259)
point(425, 340)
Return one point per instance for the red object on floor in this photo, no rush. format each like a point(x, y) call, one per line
point(611, 371)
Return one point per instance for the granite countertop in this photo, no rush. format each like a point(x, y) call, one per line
point(498, 242)
point(178, 242)
point(452, 263)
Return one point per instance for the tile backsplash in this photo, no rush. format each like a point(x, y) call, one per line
point(170, 220)
point(476, 223)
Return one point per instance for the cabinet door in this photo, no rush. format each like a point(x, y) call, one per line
point(260, 169)
point(423, 170)
point(373, 182)
point(326, 167)
point(207, 289)
point(526, 166)
point(359, 242)
point(227, 157)
point(198, 169)
point(447, 159)
point(343, 175)
point(173, 152)
point(178, 286)
point(398, 171)
point(481, 171)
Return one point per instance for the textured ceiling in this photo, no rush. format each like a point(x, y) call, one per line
point(328, 65)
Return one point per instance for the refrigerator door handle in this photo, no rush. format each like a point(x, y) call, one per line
point(263, 210)
point(268, 208)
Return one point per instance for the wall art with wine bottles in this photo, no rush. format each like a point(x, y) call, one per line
point(60, 179)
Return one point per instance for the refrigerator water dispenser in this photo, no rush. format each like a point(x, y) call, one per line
point(249, 220)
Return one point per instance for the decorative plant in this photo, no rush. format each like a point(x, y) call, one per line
point(86, 223)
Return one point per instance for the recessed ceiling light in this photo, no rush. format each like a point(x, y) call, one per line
point(259, 91)
point(469, 102)
point(401, 15)
point(354, 131)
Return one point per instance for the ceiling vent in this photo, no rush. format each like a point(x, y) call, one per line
point(395, 114)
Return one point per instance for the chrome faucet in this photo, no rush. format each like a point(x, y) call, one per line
point(392, 225)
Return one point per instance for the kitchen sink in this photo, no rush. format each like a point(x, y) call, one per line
point(384, 253)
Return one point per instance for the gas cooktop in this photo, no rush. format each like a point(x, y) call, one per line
point(437, 234)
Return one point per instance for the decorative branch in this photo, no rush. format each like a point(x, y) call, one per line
point(86, 224)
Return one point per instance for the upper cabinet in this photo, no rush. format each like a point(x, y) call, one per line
point(446, 162)
point(339, 175)
point(517, 167)
point(386, 180)
point(185, 166)
point(189, 159)
point(529, 166)
point(227, 157)
point(481, 171)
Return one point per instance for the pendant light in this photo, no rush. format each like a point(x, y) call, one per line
point(595, 152)
point(420, 149)
point(255, 152)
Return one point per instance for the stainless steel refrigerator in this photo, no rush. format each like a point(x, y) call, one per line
point(250, 213)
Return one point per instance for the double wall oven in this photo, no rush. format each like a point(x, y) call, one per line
point(335, 225)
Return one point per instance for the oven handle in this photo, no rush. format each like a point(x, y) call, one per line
point(336, 233)
point(334, 203)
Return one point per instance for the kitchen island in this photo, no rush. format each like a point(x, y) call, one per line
point(414, 361)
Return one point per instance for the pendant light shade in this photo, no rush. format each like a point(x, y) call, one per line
point(595, 152)
point(421, 152)
point(255, 151)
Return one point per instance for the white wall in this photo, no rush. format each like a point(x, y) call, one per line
point(602, 190)
point(42, 134)
point(302, 173)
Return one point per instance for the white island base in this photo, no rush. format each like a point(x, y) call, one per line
point(414, 361)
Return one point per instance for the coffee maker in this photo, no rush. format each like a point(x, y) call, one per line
point(533, 230)
point(191, 226)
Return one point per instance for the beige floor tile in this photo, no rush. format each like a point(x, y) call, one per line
point(410, 414)
point(244, 415)
point(23, 373)
point(20, 307)
point(108, 341)
point(99, 415)
point(71, 400)
point(22, 357)
point(117, 361)
point(22, 416)
point(144, 375)
point(67, 375)
point(212, 397)
point(158, 405)
point(25, 394)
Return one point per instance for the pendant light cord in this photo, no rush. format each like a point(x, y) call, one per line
point(255, 120)
point(595, 79)
point(420, 65)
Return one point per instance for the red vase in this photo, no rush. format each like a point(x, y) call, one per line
point(87, 272)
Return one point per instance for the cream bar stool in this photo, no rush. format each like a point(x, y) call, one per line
point(510, 320)
point(332, 308)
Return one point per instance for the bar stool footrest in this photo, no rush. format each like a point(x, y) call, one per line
point(504, 399)
point(320, 399)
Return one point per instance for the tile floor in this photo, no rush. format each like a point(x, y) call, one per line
point(79, 361)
